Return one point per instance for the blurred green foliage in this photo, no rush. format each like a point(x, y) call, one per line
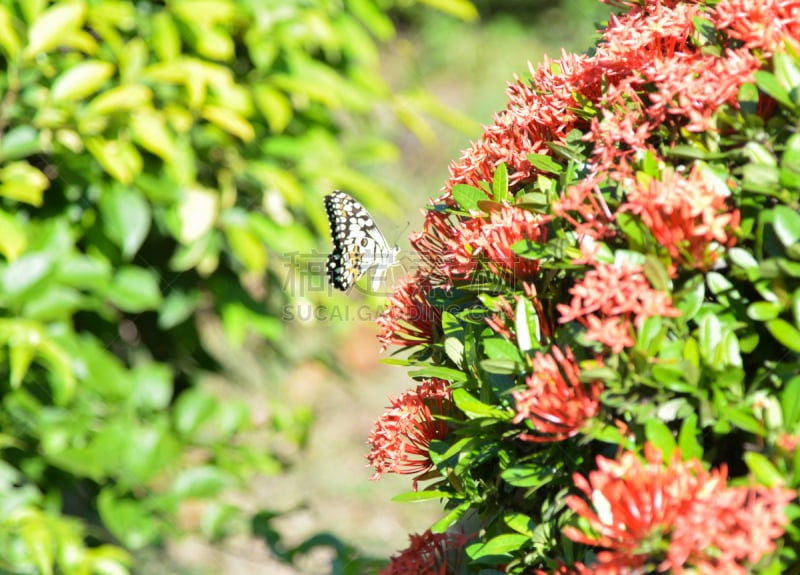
point(157, 162)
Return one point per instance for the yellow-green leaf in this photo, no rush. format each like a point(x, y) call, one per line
point(49, 29)
point(9, 40)
point(13, 240)
point(119, 158)
point(197, 213)
point(122, 99)
point(247, 248)
point(230, 121)
point(22, 182)
point(150, 130)
point(274, 106)
point(81, 80)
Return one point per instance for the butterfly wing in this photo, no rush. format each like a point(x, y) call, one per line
point(358, 244)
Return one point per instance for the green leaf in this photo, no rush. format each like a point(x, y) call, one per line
point(192, 410)
point(660, 435)
point(790, 403)
point(790, 171)
point(474, 408)
point(688, 439)
point(763, 469)
point(39, 543)
point(764, 310)
point(498, 348)
point(501, 545)
point(21, 182)
point(13, 240)
point(448, 373)
point(204, 481)
point(20, 142)
point(129, 520)
point(501, 366)
point(426, 495)
point(689, 300)
point(81, 80)
point(500, 183)
point(545, 163)
point(135, 290)
point(126, 218)
point(526, 476)
point(9, 40)
point(786, 334)
point(520, 523)
point(467, 197)
point(526, 325)
point(453, 338)
point(23, 276)
point(49, 29)
point(152, 133)
point(769, 84)
point(449, 519)
point(748, 98)
point(152, 386)
point(786, 222)
point(743, 420)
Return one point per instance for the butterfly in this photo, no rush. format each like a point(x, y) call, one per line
point(358, 244)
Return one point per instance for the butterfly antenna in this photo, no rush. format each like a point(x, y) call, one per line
point(408, 223)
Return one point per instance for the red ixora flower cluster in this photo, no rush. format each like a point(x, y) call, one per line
point(686, 518)
point(429, 554)
point(610, 300)
point(409, 319)
point(401, 438)
point(556, 401)
point(491, 238)
point(688, 216)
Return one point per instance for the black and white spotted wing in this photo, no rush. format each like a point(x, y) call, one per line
point(358, 244)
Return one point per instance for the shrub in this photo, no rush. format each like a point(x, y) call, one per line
point(606, 314)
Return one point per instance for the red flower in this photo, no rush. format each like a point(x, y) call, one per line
point(680, 516)
point(432, 245)
point(409, 319)
point(688, 216)
point(762, 25)
point(490, 239)
point(556, 402)
point(610, 300)
point(429, 554)
point(401, 438)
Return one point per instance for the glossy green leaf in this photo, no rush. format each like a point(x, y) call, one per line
point(770, 85)
point(473, 408)
point(467, 197)
point(763, 469)
point(790, 403)
point(661, 436)
point(688, 439)
point(497, 546)
point(545, 163)
point(786, 334)
point(500, 183)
